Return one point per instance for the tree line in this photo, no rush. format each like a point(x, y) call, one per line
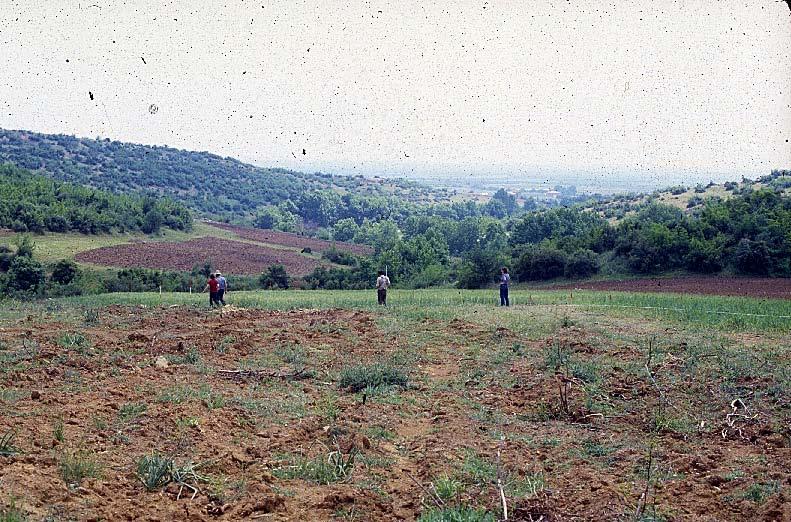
point(34, 203)
point(746, 234)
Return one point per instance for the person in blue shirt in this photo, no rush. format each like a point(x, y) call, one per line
point(223, 287)
point(505, 282)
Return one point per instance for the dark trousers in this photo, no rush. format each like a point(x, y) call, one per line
point(220, 294)
point(381, 296)
point(213, 299)
point(504, 296)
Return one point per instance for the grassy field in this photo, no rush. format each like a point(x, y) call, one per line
point(718, 312)
point(320, 405)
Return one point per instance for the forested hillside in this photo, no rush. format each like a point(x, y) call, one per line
point(217, 187)
point(34, 203)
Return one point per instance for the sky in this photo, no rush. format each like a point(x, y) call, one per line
point(698, 88)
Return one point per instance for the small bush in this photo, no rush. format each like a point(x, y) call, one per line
point(583, 263)
point(155, 471)
point(64, 271)
point(360, 377)
point(274, 278)
point(539, 263)
point(447, 488)
point(340, 257)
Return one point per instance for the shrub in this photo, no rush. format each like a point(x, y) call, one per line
point(340, 257)
point(704, 256)
point(751, 257)
point(64, 271)
point(274, 277)
point(538, 263)
point(154, 471)
point(25, 274)
point(360, 377)
point(583, 263)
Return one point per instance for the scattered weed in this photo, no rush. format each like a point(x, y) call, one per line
point(759, 492)
point(192, 357)
point(10, 395)
point(74, 467)
point(478, 470)
point(57, 431)
point(90, 317)
point(73, 341)
point(457, 514)
point(7, 447)
point(291, 354)
point(323, 469)
point(12, 513)
point(225, 343)
point(154, 471)
point(131, 411)
point(447, 488)
point(177, 394)
point(380, 433)
point(327, 407)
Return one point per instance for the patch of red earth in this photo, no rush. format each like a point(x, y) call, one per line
point(293, 240)
point(778, 288)
point(233, 257)
point(463, 398)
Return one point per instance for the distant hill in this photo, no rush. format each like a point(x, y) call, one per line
point(214, 186)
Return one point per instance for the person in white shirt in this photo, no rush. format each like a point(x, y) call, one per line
point(382, 283)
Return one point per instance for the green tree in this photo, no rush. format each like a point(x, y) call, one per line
point(64, 271)
point(25, 274)
point(274, 277)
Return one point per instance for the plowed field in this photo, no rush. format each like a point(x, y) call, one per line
point(232, 257)
point(749, 287)
point(292, 240)
point(348, 415)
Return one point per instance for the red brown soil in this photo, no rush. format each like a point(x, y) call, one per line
point(735, 286)
point(293, 240)
point(460, 402)
point(232, 257)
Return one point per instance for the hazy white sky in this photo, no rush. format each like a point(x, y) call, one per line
point(402, 86)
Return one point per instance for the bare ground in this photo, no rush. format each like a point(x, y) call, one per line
point(474, 392)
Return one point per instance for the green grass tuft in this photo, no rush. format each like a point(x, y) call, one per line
point(75, 467)
point(457, 514)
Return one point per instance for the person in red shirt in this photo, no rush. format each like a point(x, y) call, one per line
point(213, 286)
